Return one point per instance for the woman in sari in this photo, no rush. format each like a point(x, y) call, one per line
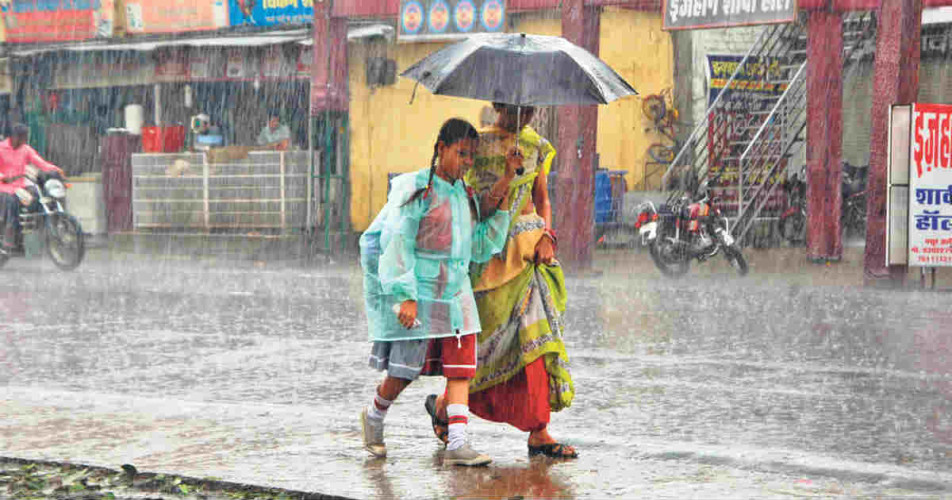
point(522, 368)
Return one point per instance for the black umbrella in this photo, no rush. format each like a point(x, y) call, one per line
point(520, 69)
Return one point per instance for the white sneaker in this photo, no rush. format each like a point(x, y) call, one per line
point(373, 435)
point(466, 456)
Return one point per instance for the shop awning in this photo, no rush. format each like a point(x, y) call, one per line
point(302, 36)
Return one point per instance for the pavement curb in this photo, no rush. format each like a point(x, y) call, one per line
point(213, 486)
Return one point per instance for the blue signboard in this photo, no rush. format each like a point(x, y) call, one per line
point(270, 12)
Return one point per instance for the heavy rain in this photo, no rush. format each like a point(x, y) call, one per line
point(667, 249)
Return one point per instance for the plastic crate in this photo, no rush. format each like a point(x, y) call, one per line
point(152, 139)
point(173, 139)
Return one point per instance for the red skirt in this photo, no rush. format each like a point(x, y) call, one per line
point(522, 401)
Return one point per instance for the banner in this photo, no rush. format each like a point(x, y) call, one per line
point(29, 21)
point(448, 19)
point(739, 113)
point(701, 14)
point(270, 12)
point(757, 75)
point(930, 186)
point(175, 16)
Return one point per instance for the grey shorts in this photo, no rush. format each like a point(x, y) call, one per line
point(400, 358)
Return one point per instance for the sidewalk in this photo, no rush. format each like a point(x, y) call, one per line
point(769, 266)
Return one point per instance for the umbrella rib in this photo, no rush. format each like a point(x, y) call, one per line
point(600, 97)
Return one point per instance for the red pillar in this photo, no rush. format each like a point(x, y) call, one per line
point(578, 126)
point(329, 70)
point(824, 135)
point(895, 81)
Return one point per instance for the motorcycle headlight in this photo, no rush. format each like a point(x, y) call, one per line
point(55, 188)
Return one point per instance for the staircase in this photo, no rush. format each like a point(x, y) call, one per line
point(756, 123)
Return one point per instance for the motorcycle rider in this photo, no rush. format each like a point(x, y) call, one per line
point(15, 155)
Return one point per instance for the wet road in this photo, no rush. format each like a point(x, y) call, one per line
point(769, 387)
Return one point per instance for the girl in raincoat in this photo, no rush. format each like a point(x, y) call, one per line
point(420, 307)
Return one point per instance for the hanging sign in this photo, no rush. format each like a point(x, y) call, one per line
point(174, 16)
point(270, 12)
point(930, 186)
point(54, 21)
point(702, 14)
point(449, 19)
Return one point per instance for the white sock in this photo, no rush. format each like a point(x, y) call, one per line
point(378, 408)
point(458, 418)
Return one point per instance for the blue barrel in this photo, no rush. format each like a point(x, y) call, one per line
point(609, 195)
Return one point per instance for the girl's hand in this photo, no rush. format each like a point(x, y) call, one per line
point(513, 163)
point(408, 313)
point(544, 251)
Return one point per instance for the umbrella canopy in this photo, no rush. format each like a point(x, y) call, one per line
point(520, 69)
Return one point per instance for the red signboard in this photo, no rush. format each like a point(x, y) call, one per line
point(26, 21)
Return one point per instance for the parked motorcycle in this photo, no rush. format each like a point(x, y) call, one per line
point(853, 215)
point(687, 231)
point(42, 211)
point(793, 221)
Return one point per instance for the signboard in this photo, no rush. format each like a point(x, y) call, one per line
point(448, 19)
point(270, 12)
point(701, 14)
point(930, 186)
point(739, 111)
point(28, 21)
point(174, 16)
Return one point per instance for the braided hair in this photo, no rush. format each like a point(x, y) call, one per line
point(452, 131)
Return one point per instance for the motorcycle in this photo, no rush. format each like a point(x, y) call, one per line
point(853, 215)
point(42, 211)
point(793, 221)
point(686, 231)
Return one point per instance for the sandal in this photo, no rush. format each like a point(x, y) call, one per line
point(553, 450)
point(440, 427)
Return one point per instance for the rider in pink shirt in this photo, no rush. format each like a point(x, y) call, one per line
point(15, 155)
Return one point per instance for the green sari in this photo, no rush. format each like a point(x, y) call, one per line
point(520, 303)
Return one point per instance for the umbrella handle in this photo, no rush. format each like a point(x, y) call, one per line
point(520, 170)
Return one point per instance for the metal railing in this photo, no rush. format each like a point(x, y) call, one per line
point(265, 191)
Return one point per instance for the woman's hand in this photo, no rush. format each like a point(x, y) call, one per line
point(544, 251)
point(513, 163)
point(408, 313)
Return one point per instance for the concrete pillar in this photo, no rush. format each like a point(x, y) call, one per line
point(895, 81)
point(824, 135)
point(578, 127)
point(329, 72)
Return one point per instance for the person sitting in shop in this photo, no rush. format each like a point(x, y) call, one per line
point(275, 135)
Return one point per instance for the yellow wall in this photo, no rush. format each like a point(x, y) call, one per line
point(388, 134)
point(633, 44)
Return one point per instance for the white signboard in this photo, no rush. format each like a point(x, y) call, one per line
point(930, 186)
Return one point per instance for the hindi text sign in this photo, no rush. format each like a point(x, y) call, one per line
point(701, 14)
point(930, 186)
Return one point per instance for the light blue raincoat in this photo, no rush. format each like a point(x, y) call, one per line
point(421, 251)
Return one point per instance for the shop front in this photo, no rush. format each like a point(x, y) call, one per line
point(145, 97)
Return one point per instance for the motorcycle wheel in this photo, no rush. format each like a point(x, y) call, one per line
point(736, 259)
point(65, 242)
point(793, 227)
point(666, 259)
